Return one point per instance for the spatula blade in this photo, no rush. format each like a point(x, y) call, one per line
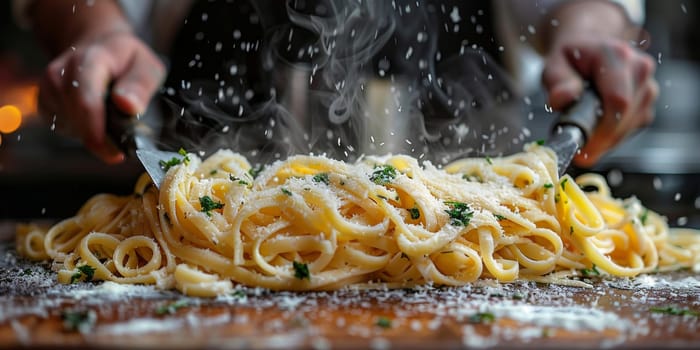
point(565, 142)
point(151, 160)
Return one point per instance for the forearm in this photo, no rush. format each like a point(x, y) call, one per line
point(60, 24)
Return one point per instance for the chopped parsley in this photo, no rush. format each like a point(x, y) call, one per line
point(548, 185)
point(166, 165)
point(643, 218)
point(482, 317)
point(384, 322)
point(172, 307)
point(213, 172)
point(545, 332)
point(321, 177)
point(254, 172)
point(539, 142)
point(675, 311)
point(488, 160)
point(209, 204)
point(415, 213)
point(557, 197)
point(499, 217)
point(563, 184)
point(83, 270)
point(78, 320)
point(571, 230)
point(286, 191)
point(237, 179)
point(473, 177)
point(239, 294)
point(590, 272)
point(301, 271)
point(383, 175)
point(460, 213)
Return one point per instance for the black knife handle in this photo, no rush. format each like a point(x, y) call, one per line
point(120, 127)
point(584, 113)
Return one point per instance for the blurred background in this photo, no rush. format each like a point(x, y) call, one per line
point(45, 175)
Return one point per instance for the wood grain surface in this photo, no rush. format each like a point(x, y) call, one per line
point(650, 311)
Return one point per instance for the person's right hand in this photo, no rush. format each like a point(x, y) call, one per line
point(74, 87)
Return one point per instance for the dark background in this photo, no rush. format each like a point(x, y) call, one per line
point(44, 175)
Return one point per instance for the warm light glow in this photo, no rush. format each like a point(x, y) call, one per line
point(10, 119)
point(21, 95)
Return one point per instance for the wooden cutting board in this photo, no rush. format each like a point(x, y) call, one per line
point(630, 313)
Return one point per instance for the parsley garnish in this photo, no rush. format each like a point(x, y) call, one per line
point(643, 218)
point(473, 177)
point(563, 184)
point(254, 172)
point(78, 320)
point(673, 310)
point(590, 272)
point(172, 307)
point(384, 322)
point(557, 197)
point(488, 160)
point(571, 230)
point(321, 177)
point(415, 213)
point(539, 142)
point(301, 270)
point(169, 164)
point(383, 175)
point(548, 185)
point(213, 172)
point(83, 270)
point(286, 191)
point(482, 317)
point(239, 294)
point(240, 181)
point(460, 213)
point(499, 217)
point(183, 153)
point(166, 165)
point(209, 204)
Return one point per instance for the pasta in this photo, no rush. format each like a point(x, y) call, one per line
point(310, 223)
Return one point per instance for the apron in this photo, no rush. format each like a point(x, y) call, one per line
point(239, 68)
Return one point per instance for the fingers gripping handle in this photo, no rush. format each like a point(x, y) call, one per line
point(121, 128)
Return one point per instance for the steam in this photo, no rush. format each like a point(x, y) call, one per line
point(346, 78)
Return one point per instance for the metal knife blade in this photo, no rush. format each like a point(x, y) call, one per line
point(573, 128)
point(134, 135)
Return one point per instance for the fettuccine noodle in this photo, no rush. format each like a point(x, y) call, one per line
point(310, 223)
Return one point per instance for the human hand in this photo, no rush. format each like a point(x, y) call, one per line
point(623, 77)
point(591, 44)
point(74, 87)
